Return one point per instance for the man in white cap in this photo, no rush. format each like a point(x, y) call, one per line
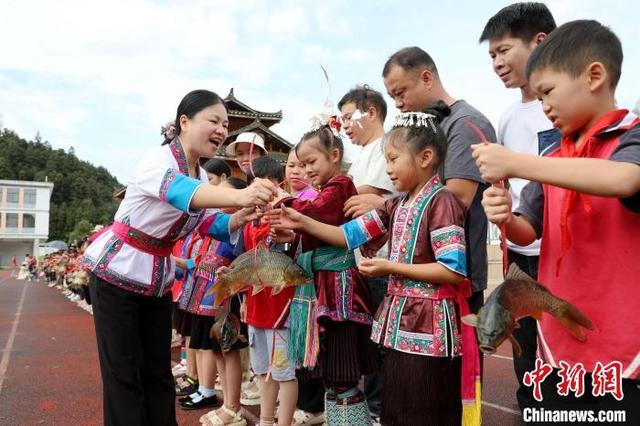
point(241, 147)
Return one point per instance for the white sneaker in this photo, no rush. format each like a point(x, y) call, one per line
point(301, 417)
point(179, 369)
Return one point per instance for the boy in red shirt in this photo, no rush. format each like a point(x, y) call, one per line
point(266, 315)
point(584, 202)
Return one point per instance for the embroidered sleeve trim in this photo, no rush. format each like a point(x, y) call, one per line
point(448, 246)
point(363, 229)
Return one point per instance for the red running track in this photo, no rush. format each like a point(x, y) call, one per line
point(49, 371)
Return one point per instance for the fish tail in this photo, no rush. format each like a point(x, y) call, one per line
point(573, 319)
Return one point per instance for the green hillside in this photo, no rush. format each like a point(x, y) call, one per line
point(82, 193)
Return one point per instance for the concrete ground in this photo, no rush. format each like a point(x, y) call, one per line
point(49, 371)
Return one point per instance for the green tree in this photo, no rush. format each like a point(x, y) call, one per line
point(80, 230)
point(82, 192)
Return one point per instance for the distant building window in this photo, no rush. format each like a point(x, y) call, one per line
point(28, 221)
point(13, 195)
point(12, 220)
point(30, 197)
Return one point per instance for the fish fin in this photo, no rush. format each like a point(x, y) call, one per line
point(257, 288)
point(221, 292)
point(516, 346)
point(515, 273)
point(572, 319)
point(211, 290)
point(471, 319)
point(276, 290)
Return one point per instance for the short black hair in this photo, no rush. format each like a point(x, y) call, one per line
point(267, 167)
point(410, 59)
point(521, 20)
point(364, 98)
point(236, 182)
point(217, 166)
point(574, 45)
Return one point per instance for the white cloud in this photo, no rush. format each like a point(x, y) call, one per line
point(55, 109)
point(103, 76)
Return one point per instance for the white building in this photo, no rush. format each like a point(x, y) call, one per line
point(24, 218)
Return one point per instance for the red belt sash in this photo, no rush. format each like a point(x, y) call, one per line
point(141, 241)
point(470, 354)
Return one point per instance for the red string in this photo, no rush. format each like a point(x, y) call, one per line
point(503, 226)
point(253, 175)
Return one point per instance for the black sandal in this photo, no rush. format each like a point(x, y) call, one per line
point(186, 386)
point(204, 402)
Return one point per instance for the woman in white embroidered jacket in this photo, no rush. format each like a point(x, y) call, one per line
point(131, 266)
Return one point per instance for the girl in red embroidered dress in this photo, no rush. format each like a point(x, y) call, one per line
point(343, 307)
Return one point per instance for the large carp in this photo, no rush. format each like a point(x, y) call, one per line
point(259, 268)
point(521, 296)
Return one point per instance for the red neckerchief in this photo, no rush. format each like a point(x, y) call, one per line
point(568, 150)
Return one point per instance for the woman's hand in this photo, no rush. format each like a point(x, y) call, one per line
point(259, 193)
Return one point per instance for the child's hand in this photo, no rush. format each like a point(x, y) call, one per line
point(376, 267)
point(282, 235)
point(286, 218)
point(497, 204)
point(361, 204)
point(494, 161)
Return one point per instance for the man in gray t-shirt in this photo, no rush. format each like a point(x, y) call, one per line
point(411, 79)
point(460, 165)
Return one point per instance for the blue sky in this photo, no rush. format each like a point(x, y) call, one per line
point(103, 76)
